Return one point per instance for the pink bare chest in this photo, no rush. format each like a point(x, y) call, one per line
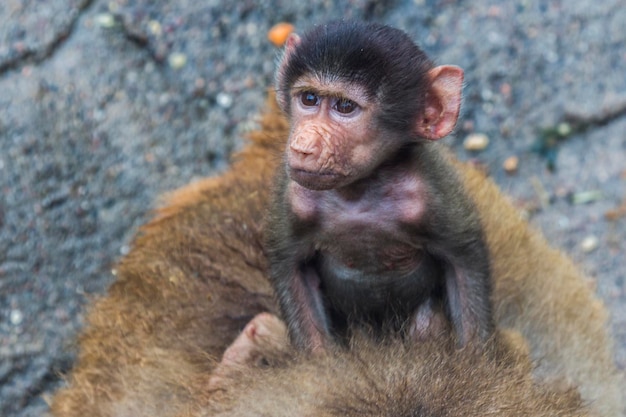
point(369, 228)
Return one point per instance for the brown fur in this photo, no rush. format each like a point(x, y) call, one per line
point(433, 378)
point(196, 276)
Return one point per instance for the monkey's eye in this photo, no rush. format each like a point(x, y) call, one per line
point(345, 106)
point(309, 99)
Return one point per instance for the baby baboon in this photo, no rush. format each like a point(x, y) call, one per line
point(369, 222)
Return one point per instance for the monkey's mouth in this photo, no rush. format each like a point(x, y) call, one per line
point(315, 180)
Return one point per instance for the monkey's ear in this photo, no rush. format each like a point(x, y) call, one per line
point(290, 46)
point(443, 102)
point(292, 41)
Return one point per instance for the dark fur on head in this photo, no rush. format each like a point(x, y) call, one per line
point(371, 55)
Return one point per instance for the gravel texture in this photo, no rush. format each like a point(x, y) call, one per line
point(104, 105)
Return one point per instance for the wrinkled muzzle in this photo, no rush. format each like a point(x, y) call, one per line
point(311, 158)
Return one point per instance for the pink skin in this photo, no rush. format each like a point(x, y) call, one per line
point(383, 207)
point(428, 323)
point(328, 148)
point(263, 332)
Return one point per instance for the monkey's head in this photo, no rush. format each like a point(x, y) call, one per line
point(355, 94)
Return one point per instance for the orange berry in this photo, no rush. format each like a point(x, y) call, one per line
point(279, 33)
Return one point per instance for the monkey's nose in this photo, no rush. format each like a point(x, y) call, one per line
point(302, 148)
point(304, 154)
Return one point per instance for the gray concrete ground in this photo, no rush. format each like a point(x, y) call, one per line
point(104, 105)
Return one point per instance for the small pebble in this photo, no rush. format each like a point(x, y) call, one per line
point(510, 164)
point(476, 142)
point(616, 214)
point(224, 100)
point(564, 129)
point(155, 27)
point(105, 20)
point(177, 60)
point(16, 317)
point(589, 244)
point(586, 197)
point(505, 89)
point(199, 84)
point(279, 33)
